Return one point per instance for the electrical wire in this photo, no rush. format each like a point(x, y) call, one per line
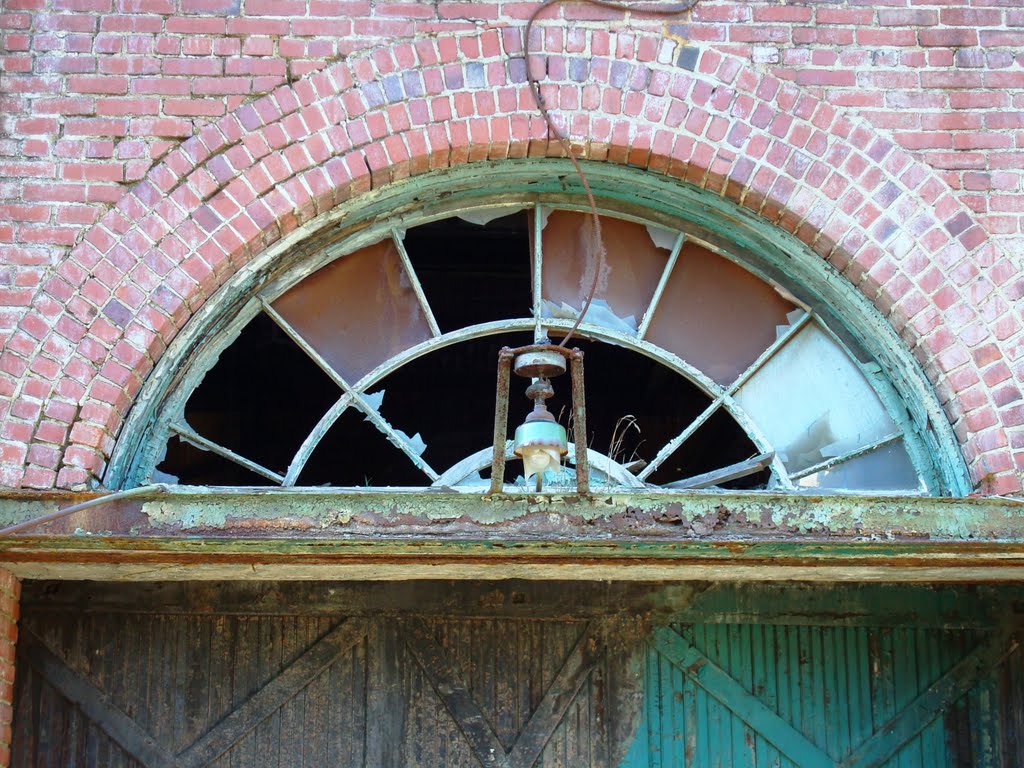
point(598, 240)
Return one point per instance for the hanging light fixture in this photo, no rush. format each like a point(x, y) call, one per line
point(541, 442)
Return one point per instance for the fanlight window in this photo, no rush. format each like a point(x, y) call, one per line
point(376, 368)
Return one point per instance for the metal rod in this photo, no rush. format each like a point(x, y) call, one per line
point(538, 272)
point(579, 409)
point(109, 498)
point(204, 443)
point(415, 281)
point(501, 419)
point(662, 282)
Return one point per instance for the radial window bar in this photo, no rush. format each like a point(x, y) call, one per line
point(418, 330)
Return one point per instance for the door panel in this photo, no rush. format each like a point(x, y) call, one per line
point(821, 697)
point(436, 674)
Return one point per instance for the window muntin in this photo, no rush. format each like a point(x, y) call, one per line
point(738, 345)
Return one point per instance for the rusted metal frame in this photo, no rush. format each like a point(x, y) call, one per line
point(731, 472)
point(94, 703)
point(417, 289)
point(465, 712)
point(751, 710)
point(919, 714)
point(579, 407)
point(662, 282)
point(203, 443)
point(558, 697)
point(274, 694)
point(828, 463)
point(357, 399)
point(482, 458)
point(539, 220)
point(505, 358)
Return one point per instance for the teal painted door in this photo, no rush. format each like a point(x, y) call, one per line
point(760, 695)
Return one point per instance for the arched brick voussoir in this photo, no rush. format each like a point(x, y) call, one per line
point(888, 223)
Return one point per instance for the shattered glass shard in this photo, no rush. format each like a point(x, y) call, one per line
point(626, 281)
point(357, 311)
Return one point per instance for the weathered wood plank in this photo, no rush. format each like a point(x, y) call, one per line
point(734, 696)
point(273, 695)
point(558, 697)
point(916, 716)
point(453, 693)
point(94, 703)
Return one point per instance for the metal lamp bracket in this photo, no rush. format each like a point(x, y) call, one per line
point(505, 359)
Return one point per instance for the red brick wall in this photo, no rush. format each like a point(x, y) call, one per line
point(909, 114)
point(10, 590)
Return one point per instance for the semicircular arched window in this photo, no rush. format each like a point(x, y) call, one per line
point(373, 365)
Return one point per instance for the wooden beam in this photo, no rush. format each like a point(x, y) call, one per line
point(94, 703)
point(465, 712)
point(560, 694)
point(781, 734)
point(272, 696)
point(917, 715)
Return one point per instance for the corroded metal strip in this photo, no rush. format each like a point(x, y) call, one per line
point(500, 420)
point(579, 407)
point(743, 704)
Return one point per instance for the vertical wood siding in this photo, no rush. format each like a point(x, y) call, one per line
point(217, 686)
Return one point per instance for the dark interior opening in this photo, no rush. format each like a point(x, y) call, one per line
point(471, 273)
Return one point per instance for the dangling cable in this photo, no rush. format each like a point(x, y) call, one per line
point(598, 240)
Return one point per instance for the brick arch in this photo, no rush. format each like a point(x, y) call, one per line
point(72, 370)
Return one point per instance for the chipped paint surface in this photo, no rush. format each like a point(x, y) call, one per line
point(314, 533)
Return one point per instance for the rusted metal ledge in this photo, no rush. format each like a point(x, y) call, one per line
point(193, 533)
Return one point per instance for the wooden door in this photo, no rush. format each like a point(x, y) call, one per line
point(435, 674)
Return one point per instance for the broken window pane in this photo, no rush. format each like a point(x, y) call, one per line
point(884, 469)
point(627, 280)
point(717, 443)
point(453, 404)
point(716, 315)
point(262, 397)
point(357, 311)
point(472, 272)
point(355, 454)
point(188, 464)
point(812, 402)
